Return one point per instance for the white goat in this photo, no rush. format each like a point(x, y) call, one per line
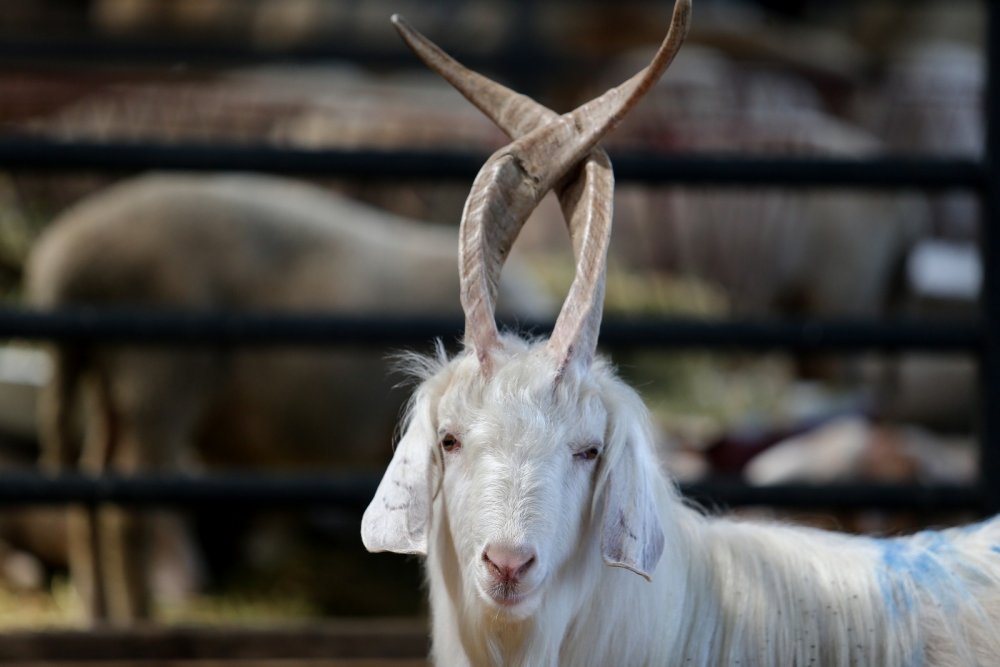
point(229, 242)
point(526, 467)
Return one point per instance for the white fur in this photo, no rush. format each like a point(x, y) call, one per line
point(723, 592)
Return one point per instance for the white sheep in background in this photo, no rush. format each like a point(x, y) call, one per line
point(234, 243)
point(526, 468)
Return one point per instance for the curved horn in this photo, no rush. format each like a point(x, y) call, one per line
point(512, 112)
point(480, 258)
point(514, 179)
point(516, 115)
point(585, 197)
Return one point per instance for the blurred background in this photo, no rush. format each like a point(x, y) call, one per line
point(765, 78)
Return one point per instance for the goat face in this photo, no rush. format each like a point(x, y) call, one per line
point(528, 477)
point(517, 458)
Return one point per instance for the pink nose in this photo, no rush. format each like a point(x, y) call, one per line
point(508, 563)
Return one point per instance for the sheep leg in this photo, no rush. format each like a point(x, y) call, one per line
point(127, 536)
point(160, 395)
point(87, 565)
point(59, 450)
point(124, 538)
point(147, 552)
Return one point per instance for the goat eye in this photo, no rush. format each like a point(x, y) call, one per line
point(588, 454)
point(450, 443)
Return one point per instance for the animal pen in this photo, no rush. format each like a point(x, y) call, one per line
point(402, 643)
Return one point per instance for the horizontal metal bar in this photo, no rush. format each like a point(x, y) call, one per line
point(326, 642)
point(103, 50)
point(513, 64)
point(796, 172)
point(52, 154)
point(517, 52)
point(352, 492)
point(86, 325)
point(192, 328)
point(20, 152)
point(809, 335)
point(848, 496)
point(348, 491)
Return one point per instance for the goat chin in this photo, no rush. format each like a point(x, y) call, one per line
point(724, 592)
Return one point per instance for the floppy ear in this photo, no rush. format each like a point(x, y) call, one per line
point(396, 518)
point(631, 533)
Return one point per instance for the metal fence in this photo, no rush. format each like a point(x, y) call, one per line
point(979, 337)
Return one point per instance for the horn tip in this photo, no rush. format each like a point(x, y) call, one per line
point(683, 12)
point(402, 26)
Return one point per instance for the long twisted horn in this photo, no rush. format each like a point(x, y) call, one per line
point(514, 180)
point(516, 115)
point(512, 112)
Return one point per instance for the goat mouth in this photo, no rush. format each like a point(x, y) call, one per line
point(507, 596)
point(504, 597)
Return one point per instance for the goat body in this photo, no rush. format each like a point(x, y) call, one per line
point(724, 592)
point(526, 475)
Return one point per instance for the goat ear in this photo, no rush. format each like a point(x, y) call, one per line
point(396, 518)
point(631, 533)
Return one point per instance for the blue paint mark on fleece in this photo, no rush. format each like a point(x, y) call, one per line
point(925, 563)
point(895, 567)
point(995, 548)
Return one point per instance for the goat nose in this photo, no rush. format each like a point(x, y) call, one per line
point(508, 563)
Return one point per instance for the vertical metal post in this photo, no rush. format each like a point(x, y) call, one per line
point(989, 461)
